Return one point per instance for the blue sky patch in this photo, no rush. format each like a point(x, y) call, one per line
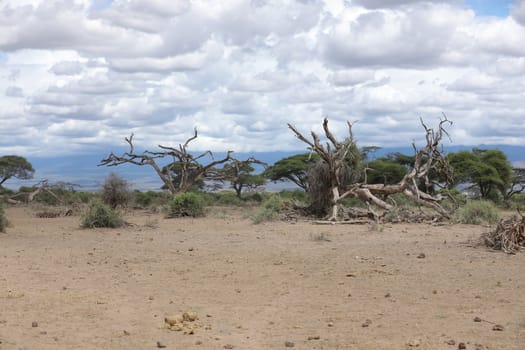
point(498, 8)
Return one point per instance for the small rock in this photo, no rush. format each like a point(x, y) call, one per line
point(330, 324)
point(198, 342)
point(289, 344)
point(367, 323)
point(34, 324)
point(126, 332)
point(434, 291)
point(451, 342)
point(160, 345)
point(462, 346)
point(477, 319)
point(189, 316)
point(387, 295)
point(173, 320)
point(421, 256)
point(150, 297)
point(228, 346)
point(497, 327)
point(314, 337)
point(414, 343)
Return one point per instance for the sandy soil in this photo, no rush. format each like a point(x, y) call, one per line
point(269, 286)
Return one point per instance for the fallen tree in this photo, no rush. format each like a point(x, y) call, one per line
point(340, 176)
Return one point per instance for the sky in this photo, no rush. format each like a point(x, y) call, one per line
point(77, 76)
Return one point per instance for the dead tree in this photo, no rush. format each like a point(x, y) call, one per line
point(334, 154)
point(189, 168)
point(43, 186)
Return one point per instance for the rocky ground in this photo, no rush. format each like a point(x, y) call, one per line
point(223, 283)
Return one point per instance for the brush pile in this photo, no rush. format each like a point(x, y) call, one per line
point(509, 235)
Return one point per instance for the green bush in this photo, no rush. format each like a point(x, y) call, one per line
point(145, 199)
point(6, 191)
point(452, 199)
point(295, 195)
point(263, 215)
point(477, 212)
point(186, 204)
point(270, 210)
point(227, 198)
point(3, 219)
point(101, 215)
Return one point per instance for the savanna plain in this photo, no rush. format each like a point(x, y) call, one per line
point(222, 282)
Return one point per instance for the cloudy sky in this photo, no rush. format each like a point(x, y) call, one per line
point(77, 76)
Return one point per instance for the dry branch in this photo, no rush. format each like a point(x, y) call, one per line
point(191, 170)
point(334, 157)
point(509, 235)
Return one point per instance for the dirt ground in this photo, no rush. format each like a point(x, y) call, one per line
point(269, 286)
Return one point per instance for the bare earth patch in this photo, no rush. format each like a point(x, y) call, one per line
point(270, 286)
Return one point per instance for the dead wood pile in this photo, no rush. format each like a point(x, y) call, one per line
point(509, 235)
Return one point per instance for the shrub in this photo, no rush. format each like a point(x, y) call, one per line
point(476, 212)
point(263, 215)
point(101, 215)
point(227, 198)
point(254, 197)
point(145, 199)
point(452, 199)
point(270, 210)
point(299, 196)
point(3, 219)
point(115, 191)
point(186, 204)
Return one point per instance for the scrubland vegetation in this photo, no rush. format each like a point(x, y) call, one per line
point(340, 182)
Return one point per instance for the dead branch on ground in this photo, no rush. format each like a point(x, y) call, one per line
point(509, 235)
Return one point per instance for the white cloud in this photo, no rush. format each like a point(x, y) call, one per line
point(518, 12)
point(419, 37)
point(67, 68)
point(76, 75)
point(14, 91)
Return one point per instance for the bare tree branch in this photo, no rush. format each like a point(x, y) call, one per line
point(335, 156)
point(191, 170)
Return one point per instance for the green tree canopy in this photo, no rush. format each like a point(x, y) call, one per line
point(489, 171)
point(386, 171)
point(240, 175)
point(15, 166)
point(175, 169)
point(293, 168)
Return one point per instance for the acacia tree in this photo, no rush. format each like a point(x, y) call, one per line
point(15, 166)
point(191, 168)
point(385, 170)
point(293, 168)
point(334, 158)
point(240, 175)
point(487, 171)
